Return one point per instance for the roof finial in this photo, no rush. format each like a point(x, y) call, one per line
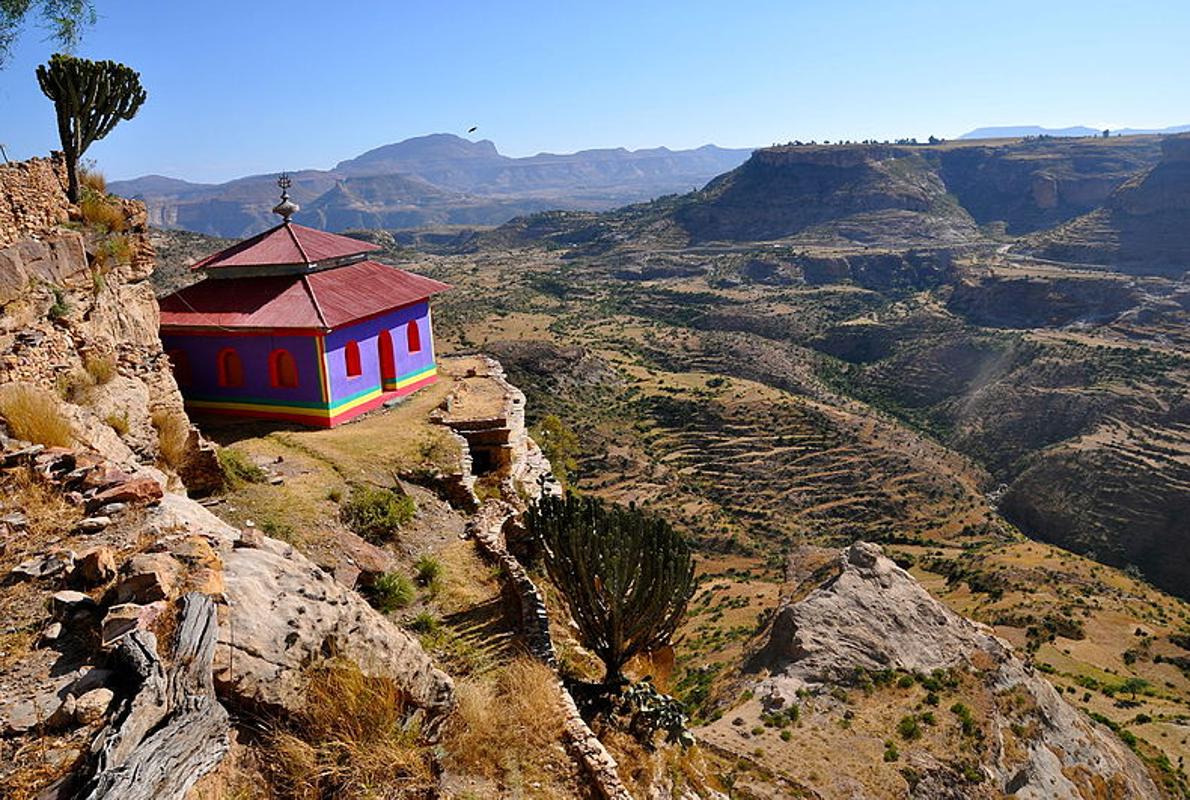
point(286, 208)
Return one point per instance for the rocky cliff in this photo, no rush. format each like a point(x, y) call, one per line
point(1035, 184)
point(79, 322)
point(828, 193)
point(1142, 228)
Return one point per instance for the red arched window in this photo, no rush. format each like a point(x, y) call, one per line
point(413, 337)
point(283, 372)
point(180, 364)
point(388, 361)
point(231, 369)
point(351, 359)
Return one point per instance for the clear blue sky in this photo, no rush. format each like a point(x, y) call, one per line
point(244, 86)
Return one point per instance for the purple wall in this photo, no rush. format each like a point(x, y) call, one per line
point(365, 333)
point(202, 352)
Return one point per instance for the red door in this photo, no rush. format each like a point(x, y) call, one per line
point(388, 362)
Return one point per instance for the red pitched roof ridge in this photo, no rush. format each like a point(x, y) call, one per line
point(314, 299)
point(296, 245)
point(296, 241)
point(326, 299)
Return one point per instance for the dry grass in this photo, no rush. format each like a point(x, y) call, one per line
point(118, 422)
point(508, 726)
point(114, 249)
point(47, 513)
point(643, 771)
point(351, 741)
point(101, 213)
point(34, 414)
point(173, 432)
point(94, 180)
point(101, 368)
point(35, 772)
point(75, 387)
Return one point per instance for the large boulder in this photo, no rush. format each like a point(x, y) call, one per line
point(283, 613)
point(873, 615)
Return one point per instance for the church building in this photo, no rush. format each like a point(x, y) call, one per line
point(298, 324)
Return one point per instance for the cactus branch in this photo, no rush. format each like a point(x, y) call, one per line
point(90, 98)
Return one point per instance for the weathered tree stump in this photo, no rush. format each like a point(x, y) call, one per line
point(173, 730)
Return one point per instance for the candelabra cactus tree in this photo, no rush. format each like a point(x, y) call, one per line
point(90, 98)
point(626, 575)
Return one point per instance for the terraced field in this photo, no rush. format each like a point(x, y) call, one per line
point(760, 417)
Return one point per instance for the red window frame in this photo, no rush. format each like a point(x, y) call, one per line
point(230, 368)
point(388, 356)
point(413, 337)
point(283, 371)
point(351, 359)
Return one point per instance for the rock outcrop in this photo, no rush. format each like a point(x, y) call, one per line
point(283, 612)
point(32, 197)
point(872, 616)
point(79, 319)
point(839, 194)
point(1143, 228)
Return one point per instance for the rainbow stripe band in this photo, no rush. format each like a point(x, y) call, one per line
point(309, 413)
point(400, 382)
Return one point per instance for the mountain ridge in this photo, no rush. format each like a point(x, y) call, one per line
point(470, 182)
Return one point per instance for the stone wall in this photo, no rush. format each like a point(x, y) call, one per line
point(32, 197)
point(487, 529)
point(66, 302)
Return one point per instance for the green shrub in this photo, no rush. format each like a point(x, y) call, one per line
point(376, 514)
point(277, 529)
point(238, 469)
point(908, 728)
point(424, 622)
point(391, 591)
point(61, 306)
point(429, 570)
point(966, 720)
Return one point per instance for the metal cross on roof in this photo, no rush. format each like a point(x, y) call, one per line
point(286, 208)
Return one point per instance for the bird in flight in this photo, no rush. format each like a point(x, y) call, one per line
point(473, 129)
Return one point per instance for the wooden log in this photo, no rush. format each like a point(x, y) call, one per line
point(173, 730)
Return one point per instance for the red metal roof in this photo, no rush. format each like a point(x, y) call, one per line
point(287, 244)
point(326, 299)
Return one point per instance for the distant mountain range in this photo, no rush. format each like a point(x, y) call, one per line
point(439, 179)
point(1019, 131)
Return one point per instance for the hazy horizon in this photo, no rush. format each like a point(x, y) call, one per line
point(240, 90)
